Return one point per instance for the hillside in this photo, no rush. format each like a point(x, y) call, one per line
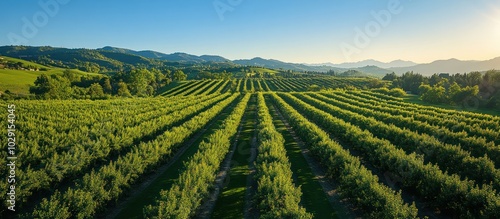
point(18, 79)
point(87, 60)
point(174, 57)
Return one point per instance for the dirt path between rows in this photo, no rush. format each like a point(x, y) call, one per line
point(250, 207)
point(138, 189)
point(206, 209)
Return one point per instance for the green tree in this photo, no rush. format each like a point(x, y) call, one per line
point(123, 90)
point(179, 75)
point(454, 91)
point(96, 91)
point(42, 85)
point(106, 85)
point(138, 81)
point(410, 82)
point(71, 76)
point(434, 94)
point(53, 87)
point(434, 79)
point(390, 77)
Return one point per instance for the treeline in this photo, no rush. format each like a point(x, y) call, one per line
point(467, 89)
point(71, 85)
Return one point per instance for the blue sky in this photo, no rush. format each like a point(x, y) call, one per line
point(313, 31)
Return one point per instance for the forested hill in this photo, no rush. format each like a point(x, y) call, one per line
point(109, 59)
point(112, 59)
point(84, 59)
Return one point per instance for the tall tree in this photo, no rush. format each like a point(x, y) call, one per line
point(179, 75)
point(96, 91)
point(123, 90)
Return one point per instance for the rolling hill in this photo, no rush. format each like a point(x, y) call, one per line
point(19, 80)
point(174, 57)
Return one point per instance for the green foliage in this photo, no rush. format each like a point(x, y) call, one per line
point(395, 92)
point(108, 182)
point(85, 154)
point(96, 91)
point(430, 182)
point(409, 81)
point(106, 85)
point(314, 88)
point(52, 87)
point(390, 77)
point(450, 158)
point(434, 94)
point(192, 186)
point(457, 89)
point(123, 90)
point(276, 194)
point(285, 85)
point(454, 94)
point(356, 183)
point(179, 75)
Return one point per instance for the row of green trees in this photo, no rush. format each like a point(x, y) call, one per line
point(438, 112)
point(196, 180)
point(277, 196)
point(302, 84)
point(356, 183)
point(450, 158)
point(449, 193)
point(418, 122)
point(72, 142)
point(482, 126)
point(90, 194)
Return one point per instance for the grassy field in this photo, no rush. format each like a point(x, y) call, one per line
point(19, 81)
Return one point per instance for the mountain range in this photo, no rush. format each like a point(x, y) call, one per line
point(174, 57)
point(370, 62)
point(451, 66)
point(113, 58)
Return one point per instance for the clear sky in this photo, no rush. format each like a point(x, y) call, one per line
point(302, 31)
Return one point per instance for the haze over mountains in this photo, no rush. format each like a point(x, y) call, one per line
point(130, 57)
point(370, 62)
point(450, 66)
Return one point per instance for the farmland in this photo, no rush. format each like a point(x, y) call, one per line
point(270, 148)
